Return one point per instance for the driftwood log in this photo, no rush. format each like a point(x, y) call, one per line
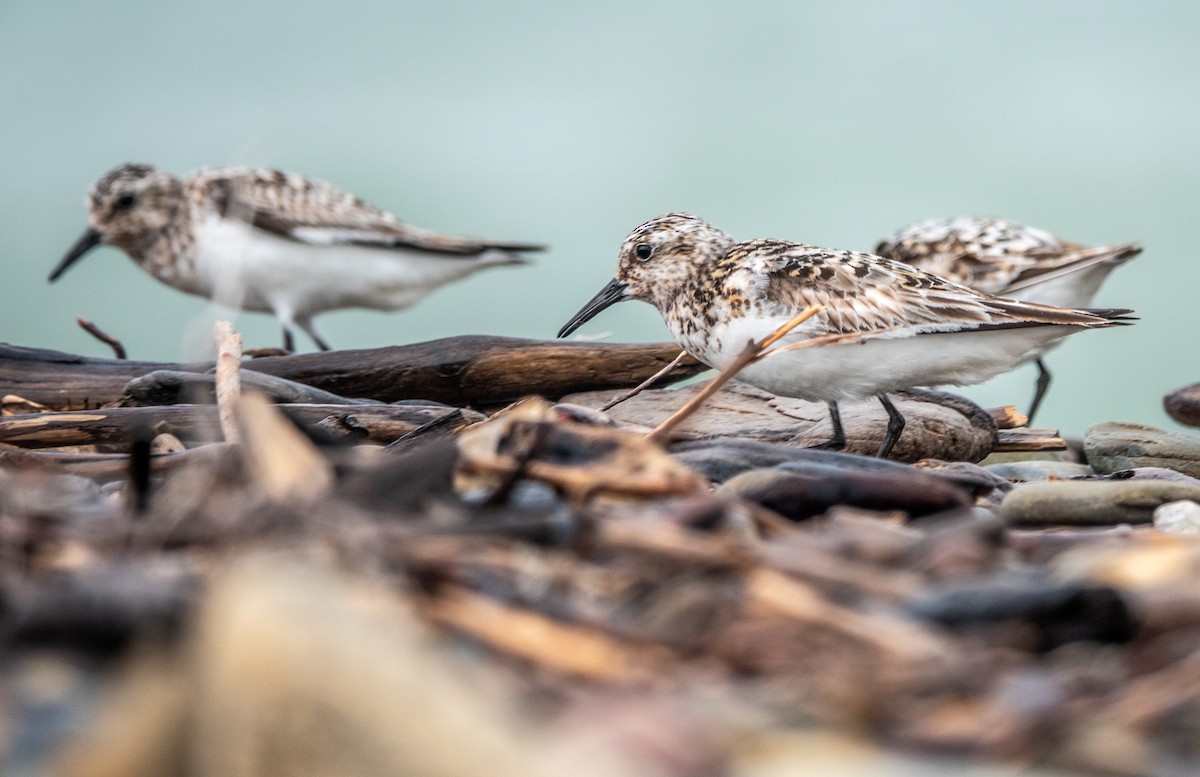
point(940, 425)
point(198, 423)
point(468, 370)
point(171, 387)
point(106, 467)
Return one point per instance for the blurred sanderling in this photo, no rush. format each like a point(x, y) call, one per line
point(274, 242)
point(1009, 260)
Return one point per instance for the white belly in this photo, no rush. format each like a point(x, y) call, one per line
point(241, 266)
point(854, 371)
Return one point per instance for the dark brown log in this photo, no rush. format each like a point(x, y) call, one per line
point(467, 370)
point(198, 423)
point(1184, 405)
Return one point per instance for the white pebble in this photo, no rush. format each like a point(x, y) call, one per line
point(1181, 517)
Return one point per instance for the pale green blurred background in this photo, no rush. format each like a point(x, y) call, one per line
point(571, 123)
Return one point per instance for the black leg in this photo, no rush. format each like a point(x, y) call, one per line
point(307, 326)
point(289, 343)
point(838, 441)
point(1043, 383)
point(894, 428)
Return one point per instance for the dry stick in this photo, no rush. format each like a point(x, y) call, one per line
point(229, 382)
point(102, 336)
point(752, 351)
point(835, 339)
point(645, 384)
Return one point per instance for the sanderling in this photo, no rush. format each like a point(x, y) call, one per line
point(907, 327)
point(274, 242)
point(1009, 260)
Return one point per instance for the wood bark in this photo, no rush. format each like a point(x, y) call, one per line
point(468, 370)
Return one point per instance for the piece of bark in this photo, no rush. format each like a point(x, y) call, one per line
point(198, 423)
point(466, 370)
point(1184, 405)
point(1029, 441)
point(939, 425)
point(1008, 417)
point(11, 404)
point(527, 440)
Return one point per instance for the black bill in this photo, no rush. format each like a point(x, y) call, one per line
point(86, 242)
point(611, 294)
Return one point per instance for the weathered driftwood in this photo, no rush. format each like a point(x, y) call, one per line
point(171, 387)
point(467, 370)
point(1008, 417)
point(581, 461)
point(1184, 404)
point(940, 425)
point(1029, 441)
point(198, 423)
point(106, 467)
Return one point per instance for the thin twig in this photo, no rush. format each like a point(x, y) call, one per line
point(102, 336)
point(835, 339)
point(645, 384)
point(752, 351)
point(229, 381)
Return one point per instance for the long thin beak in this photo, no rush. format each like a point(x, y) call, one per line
point(86, 242)
point(611, 294)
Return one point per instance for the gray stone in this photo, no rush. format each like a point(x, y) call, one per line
point(1037, 471)
point(800, 496)
point(1181, 517)
point(1094, 503)
point(1152, 473)
point(1115, 446)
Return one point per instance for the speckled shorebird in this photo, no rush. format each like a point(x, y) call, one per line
point(909, 328)
point(274, 242)
point(1009, 260)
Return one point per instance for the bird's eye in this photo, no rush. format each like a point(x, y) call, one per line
point(643, 251)
point(125, 201)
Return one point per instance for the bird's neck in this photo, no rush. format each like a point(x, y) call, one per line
point(695, 306)
point(168, 253)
